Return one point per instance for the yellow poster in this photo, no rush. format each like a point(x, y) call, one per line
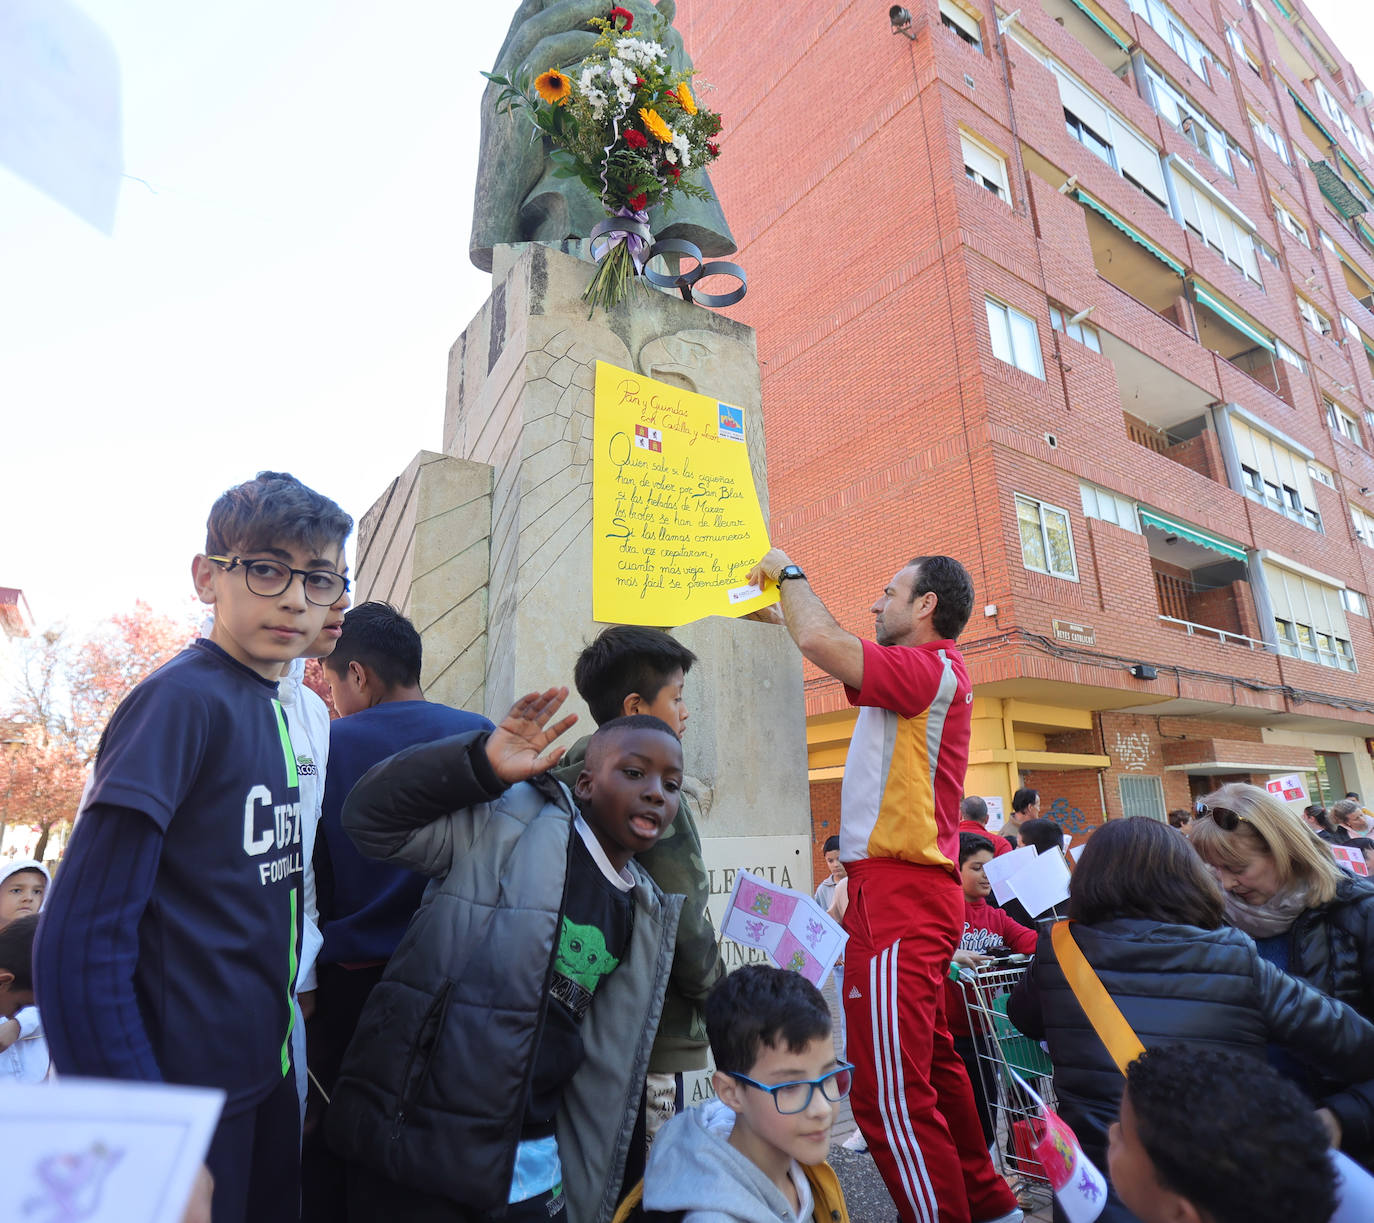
point(676, 519)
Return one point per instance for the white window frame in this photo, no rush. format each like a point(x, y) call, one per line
point(1106, 506)
point(1085, 333)
point(1184, 115)
point(1041, 508)
point(1172, 29)
point(1129, 153)
point(1309, 616)
point(1216, 221)
point(963, 24)
point(1322, 475)
point(1340, 421)
point(1343, 120)
point(1291, 223)
point(980, 159)
point(1275, 475)
point(1354, 602)
point(1266, 135)
point(1290, 356)
point(1363, 524)
point(1313, 317)
point(1015, 337)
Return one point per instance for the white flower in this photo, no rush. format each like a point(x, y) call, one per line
point(670, 155)
point(625, 94)
point(684, 149)
point(639, 52)
point(589, 76)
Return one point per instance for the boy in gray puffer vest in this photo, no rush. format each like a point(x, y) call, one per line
point(498, 1064)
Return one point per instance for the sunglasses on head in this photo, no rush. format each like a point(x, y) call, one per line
point(1223, 817)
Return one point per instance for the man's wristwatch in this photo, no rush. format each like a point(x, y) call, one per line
point(788, 572)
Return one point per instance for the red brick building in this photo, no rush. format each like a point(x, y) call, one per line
point(1082, 294)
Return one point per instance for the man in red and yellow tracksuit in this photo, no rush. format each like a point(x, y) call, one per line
point(899, 810)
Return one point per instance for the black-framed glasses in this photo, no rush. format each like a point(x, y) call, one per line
point(1223, 817)
point(789, 1098)
point(323, 587)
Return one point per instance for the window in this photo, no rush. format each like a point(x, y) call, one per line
point(1015, 338)
point(1141, 795)
point(1364, 526)
point(1325, 239)
point(1216, 221)
point(1243, 52)
point(1168, 25)
point(1289, 222)
point(1046, 538)
point(1189, 118)
point(962, 23)
point(1323, 475)
point(1108, 506)
point(985, 167)
point(1274, 474)
point(1085, 333)
point(1267, 135)
point(1266, 252)
point(1342, 422)
point(1288, 356)
point(1344, 121)
point(1239, 157)
point(1309, 615)
point(1350, 329)
point(1104, 133)
point(1313, 317)
point(1354, 602)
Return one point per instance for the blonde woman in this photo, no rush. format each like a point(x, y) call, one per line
point(1307, 916)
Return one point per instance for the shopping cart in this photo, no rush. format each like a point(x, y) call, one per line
point(1001, 1049)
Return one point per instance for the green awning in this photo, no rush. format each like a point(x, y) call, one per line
point(1194, 535)
point(1100, 24)
point(1130, 231)
point(1229, 315)
point(1333, 186)
point(1308, 111)
point(1368, 347)
point(1284, 9)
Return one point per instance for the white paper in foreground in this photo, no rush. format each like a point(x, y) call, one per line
point(60, 122)
point(1043, 883)
point(1000, 870)
point(103, 1152)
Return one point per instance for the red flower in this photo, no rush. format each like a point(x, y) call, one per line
point(713, 148)
point(639, 80)
point(636, 140)
point(638, 202)
point(672, 171)
point(618, 15)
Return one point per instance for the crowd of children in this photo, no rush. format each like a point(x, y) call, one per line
point(445, 970)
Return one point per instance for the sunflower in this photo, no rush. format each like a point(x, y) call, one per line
point(553, 87)
point(685, 99)
point(653, 123)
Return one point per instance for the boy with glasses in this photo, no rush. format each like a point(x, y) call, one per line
point(757, 1151)
point(172, 937)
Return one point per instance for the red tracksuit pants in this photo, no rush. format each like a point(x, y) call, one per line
point(911, 1095)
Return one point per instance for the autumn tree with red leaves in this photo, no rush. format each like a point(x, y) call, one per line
point(66, 692)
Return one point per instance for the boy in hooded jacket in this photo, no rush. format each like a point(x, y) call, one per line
point(497, 1067)
point(755, 1154)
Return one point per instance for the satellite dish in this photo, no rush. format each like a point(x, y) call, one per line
point(1364, 97)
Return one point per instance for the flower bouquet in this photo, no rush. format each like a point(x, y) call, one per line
point(629, 128)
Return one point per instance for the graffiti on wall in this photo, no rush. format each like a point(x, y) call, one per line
point(1133, 751)
point(1070, 819)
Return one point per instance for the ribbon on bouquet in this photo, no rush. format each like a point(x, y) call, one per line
point(632, 228)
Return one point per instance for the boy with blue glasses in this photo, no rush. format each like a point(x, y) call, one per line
point(758, 1151)
point(170, 944)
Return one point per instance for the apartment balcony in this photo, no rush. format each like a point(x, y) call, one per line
point(1202, 583)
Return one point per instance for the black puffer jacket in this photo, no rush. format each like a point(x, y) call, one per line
point(1176, 985)
point(1332, 949)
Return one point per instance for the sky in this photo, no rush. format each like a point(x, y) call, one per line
point(286, 273)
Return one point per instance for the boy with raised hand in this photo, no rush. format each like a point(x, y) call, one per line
point(170, 943)
point(631, 670)
point(498, 1066)
point(755, 1154)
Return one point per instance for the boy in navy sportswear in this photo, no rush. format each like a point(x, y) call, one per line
point(170, 943)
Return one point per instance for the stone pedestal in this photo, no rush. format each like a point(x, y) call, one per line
point(488, 546)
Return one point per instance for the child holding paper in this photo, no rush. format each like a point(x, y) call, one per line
point(986, 929)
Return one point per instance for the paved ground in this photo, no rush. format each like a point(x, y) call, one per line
point(864, 1192)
